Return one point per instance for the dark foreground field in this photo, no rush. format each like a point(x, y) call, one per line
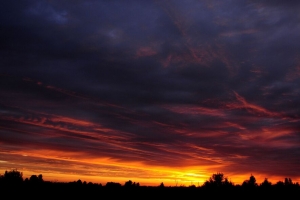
point(69, 191)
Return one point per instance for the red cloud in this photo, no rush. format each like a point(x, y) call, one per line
point(145, 52)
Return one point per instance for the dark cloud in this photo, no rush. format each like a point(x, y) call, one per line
point(170, 84)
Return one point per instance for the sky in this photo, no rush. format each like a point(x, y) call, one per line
point(150, 91)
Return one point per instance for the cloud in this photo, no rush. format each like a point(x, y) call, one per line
point(190, 110)
point(145, 51)
point(42, 9)
point(252, 107)
point(169, 89)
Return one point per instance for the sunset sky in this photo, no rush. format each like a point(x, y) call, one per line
point(150, 91)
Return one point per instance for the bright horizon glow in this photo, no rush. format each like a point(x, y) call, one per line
point(154, 175)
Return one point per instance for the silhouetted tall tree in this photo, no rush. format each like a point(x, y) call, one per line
point(251, 183)
point(288, 182)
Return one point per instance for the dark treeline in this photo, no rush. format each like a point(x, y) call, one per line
point(13, 183)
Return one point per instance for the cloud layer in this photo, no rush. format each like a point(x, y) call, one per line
point(156, 90)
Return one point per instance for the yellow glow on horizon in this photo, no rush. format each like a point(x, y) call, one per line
point(69, 167)
point(135, 171)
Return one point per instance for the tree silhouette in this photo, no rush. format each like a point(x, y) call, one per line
point(227, 183)
point(113, 185)
point(131, 184)
point(36, 179)
point(252, 180)
point(279, 184)
point(217, 180)
point(288, 182)
point(251, 183)
point(128, 183)
point(40, 178)
point(13, 177)
point(266, 183)
point(217, 186)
